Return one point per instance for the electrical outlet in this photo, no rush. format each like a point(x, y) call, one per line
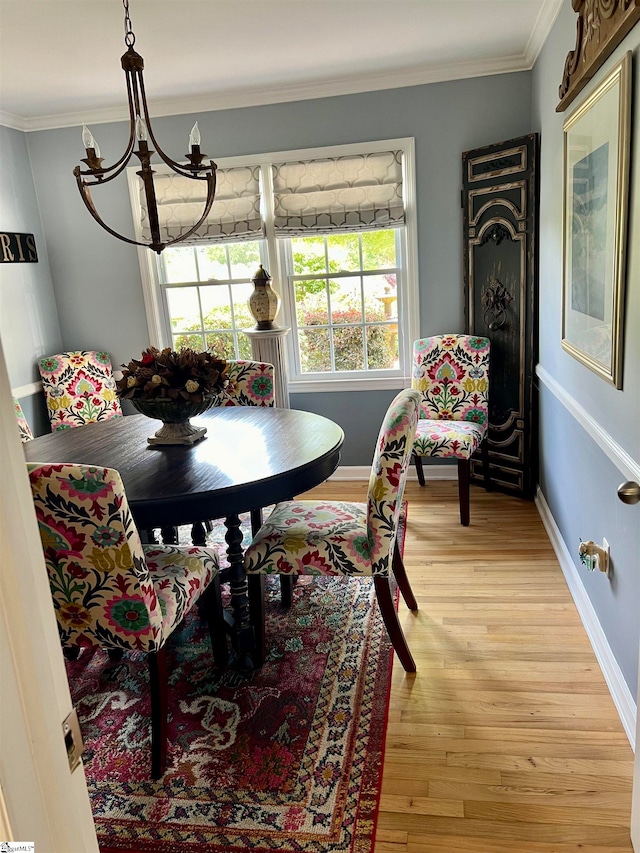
point(594, 556)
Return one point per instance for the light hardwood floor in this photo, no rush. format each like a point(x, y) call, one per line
point(506, 740)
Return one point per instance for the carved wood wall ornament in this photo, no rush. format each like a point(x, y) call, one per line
point(495, 299)
point(601, 26)
point(497, 233)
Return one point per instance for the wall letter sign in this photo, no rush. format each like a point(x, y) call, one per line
point(17, 248)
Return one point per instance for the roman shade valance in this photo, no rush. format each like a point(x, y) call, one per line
point(357, 193)
point(234, 215)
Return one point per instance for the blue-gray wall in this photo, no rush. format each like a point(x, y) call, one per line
point(28, 314)
point(97, 278)
point(577, 477)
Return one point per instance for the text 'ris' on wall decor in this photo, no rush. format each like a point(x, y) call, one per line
point(17, 248)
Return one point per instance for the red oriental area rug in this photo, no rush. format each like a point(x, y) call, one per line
point(288, 760)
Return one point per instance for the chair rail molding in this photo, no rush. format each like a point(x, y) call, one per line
point(27, 390)
point(625, 463)
point(620, 693)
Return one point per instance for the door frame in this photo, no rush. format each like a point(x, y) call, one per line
point(635, 803)
point(40, 800)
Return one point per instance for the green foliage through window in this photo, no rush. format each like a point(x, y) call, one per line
point(335, 278)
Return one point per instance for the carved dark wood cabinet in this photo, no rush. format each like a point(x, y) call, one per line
point(500, 204)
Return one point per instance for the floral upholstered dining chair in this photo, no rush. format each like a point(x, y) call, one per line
point(23, 427)
point(250, 384)
point(451, 372)
point(111, 591)
point(311, 537)
point(79, 388)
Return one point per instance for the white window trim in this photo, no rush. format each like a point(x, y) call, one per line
point(152, 292)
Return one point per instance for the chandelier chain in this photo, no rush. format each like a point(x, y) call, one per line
point(129, 36)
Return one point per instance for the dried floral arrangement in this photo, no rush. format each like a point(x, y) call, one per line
point(174, 375)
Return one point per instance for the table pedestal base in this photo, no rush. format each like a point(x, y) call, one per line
point(242, 636)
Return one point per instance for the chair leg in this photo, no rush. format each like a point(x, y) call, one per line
point(390, 618)
point(115, 654)
point(464, 466)
point(419, 469)
point(287, 583)
point(158, 686)
point(71, 652)
point(212, 601)
point(400, 575)
point(256, 585)
point(256, 520)
point(484, 450)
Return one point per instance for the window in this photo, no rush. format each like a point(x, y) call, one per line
point(345, 294)
point(336, 229)
point(206, 289)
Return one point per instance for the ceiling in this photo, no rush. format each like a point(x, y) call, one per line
point(59, 59)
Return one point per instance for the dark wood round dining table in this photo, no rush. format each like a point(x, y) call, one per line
point(250, 457)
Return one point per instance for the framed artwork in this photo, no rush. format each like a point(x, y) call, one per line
point(596, 139)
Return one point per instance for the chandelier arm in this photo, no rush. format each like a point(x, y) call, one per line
point(137, 95)
point(211, 191)
point(147, 118)
point(177, 167)
point(106, 175)
point(85, 194)
point(122, 162)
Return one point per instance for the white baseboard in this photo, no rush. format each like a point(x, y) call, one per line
point(362, 472)
point(620, 693)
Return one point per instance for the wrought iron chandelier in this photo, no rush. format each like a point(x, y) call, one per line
point(140, 133)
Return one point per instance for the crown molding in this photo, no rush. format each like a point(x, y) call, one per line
point(12, 121)
point(541, 29)
point(236, 99)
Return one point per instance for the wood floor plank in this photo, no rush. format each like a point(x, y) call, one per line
point(461, 844)
point(506, 740)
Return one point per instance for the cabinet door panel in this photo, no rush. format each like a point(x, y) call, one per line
point(499, 200)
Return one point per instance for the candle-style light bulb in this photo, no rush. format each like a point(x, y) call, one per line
point(88, 141)
point(194, 136)
point(141, 130)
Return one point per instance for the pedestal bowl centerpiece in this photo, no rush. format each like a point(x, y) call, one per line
point(174, 386)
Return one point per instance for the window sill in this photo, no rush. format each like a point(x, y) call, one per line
point(320, 386)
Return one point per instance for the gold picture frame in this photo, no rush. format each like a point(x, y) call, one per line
point(596, 143)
